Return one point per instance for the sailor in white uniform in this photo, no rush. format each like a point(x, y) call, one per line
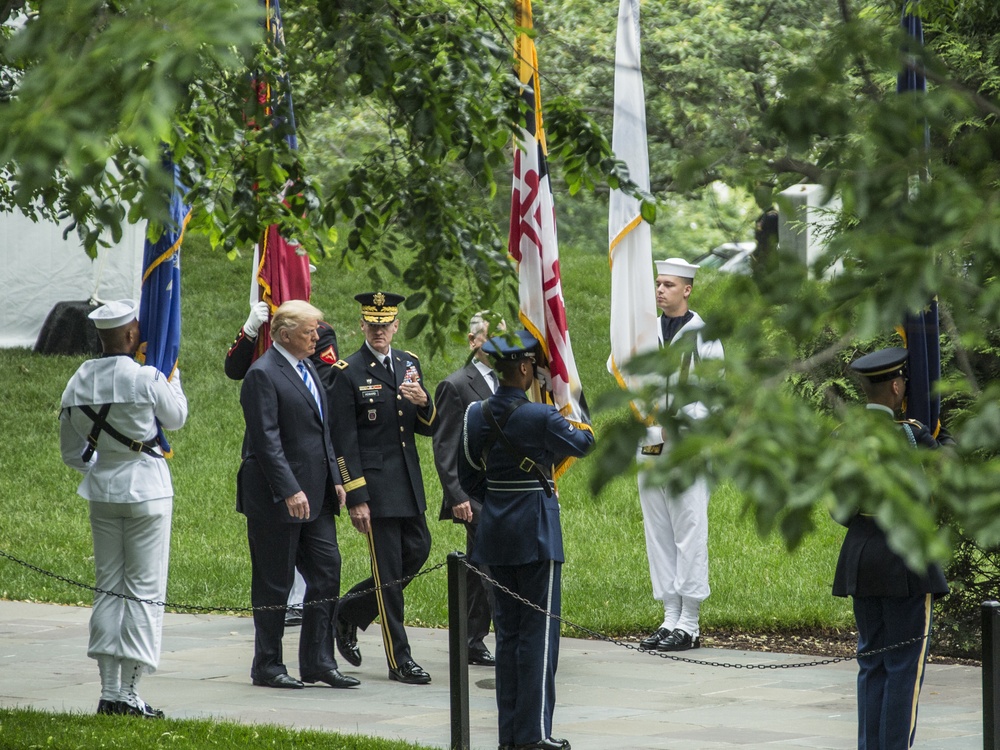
point(108, 432)
point(676, 526)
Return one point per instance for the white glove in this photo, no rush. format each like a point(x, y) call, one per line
point(259, 313)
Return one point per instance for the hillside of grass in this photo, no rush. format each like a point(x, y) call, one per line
point(756, 584)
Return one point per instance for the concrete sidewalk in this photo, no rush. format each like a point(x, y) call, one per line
point(608, 697)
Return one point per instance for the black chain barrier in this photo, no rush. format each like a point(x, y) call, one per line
point(498, 586)
point(672, 657)
point(201, 608)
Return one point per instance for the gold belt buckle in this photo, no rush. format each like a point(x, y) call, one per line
point(652, 450)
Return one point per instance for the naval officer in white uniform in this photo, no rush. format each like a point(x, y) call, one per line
point(108, 432)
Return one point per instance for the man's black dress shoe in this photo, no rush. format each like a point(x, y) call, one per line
point(109, 708)
point(141, 709)
point(293, 617)
point(679, 640)
point(552, 743)
point(283, 680)
point(411, 673)
point(334, 679)
point(650, 642)
point(347, 642)
point(482, 657)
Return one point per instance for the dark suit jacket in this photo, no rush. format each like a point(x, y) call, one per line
point(452, 396)
point(287, 446)
point(240, 355)
point(375, 434)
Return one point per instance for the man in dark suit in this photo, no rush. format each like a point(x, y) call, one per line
point(288, 489)
point(474, 382)
point(240, 356)
point(381, 405)
point(508, 449)
point(892, 603)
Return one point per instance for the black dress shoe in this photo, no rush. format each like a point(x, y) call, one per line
point(552, 743)
point(679, 640)
point(109, 708)
point(140, 709)
point(334, 679)
point(347, 642)
point(482, 657)
point(649, 643)
point(283, 680)
point(293, 617)
point(411, 673)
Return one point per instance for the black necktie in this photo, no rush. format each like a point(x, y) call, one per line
point(388, 363)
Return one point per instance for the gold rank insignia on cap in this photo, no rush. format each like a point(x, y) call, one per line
point(380, 308)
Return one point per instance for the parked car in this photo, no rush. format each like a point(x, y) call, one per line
point(731, 257)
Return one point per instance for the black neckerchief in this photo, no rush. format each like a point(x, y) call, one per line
point(671, 325)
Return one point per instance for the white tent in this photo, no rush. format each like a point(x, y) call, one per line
point(41, 269)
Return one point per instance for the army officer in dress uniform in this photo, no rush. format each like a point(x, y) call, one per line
point(508, 448)
point(382, 404)
point(892, 604)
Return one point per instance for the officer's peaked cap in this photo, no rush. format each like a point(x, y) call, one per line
point(882, 365)
point(380, 308)
point(511, 346)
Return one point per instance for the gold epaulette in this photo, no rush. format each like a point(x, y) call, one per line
point(411, 354)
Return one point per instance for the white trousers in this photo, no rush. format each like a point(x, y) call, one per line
point(676, 542)
point(131, 555)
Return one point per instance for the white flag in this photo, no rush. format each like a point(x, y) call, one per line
point(630, 254)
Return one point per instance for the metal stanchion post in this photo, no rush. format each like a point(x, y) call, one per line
point(458, 650)
point(991, 680)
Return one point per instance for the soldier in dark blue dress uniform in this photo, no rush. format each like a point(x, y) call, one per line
point(508, 448)
point(892, 603)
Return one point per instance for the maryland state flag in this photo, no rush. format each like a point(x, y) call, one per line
point(533, 244)
point(281, 267)
point(921, 330)
point(160, 303)
point(630, 248)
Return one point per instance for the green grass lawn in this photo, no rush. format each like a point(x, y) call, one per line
point(29, 730)
point(756, 583)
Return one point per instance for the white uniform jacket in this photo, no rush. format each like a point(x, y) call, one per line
point(704, 349)
point(139, 395)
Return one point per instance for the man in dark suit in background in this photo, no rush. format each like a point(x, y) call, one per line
point(288, 489)
point(473, 382)
point(381, 405)
point(892, 604)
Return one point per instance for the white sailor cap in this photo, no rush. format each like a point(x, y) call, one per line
point(115, 314)
point(676, 267)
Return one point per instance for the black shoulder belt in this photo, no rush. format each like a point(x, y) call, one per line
point(496, 431)
point(101, 425)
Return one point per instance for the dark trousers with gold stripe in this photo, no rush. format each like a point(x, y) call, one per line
point(889, 683)
point(398, 547)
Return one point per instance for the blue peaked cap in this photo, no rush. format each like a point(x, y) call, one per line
point(511, 346)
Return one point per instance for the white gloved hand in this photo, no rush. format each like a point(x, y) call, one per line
point(259, 313)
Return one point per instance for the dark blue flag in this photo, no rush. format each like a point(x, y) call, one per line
point(921, 329)
point(160, 304)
